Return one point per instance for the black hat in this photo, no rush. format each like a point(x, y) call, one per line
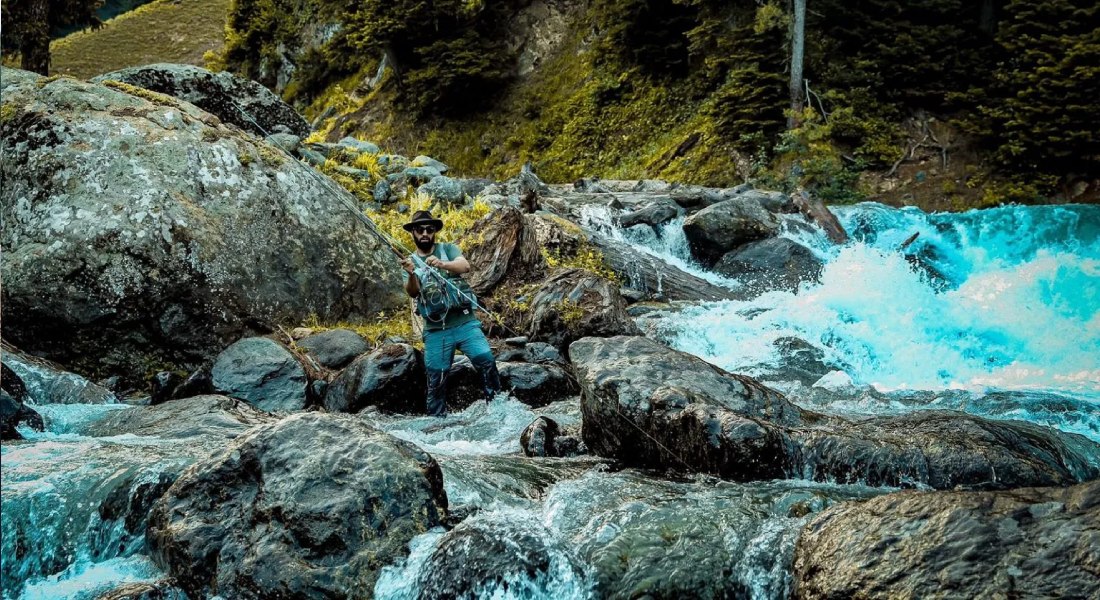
point(422, 217)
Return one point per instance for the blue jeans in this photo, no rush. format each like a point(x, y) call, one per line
point(439, 353)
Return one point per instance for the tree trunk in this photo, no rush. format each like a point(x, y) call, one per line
point(35, 39)
point(798, 39)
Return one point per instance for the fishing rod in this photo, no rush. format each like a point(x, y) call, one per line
point(423, 270)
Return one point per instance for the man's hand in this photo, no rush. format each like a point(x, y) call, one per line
point(407, 264)
point(433, 261)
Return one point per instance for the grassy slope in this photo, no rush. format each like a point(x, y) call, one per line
point(177, 31)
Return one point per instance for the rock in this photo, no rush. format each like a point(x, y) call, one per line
point(536, 385)
point(163, 235)
point(393, 163)
point(14, 412)
point(771, 264)
point(443, 189)
point(533, 352)
point(717, 229)
point(232, 99)
point(495, 556)
point(500, 246)
point(543, 437)
point(427, 161)
point(653, 214)
point(420, 175)
point(648, 405)
point(287, 142)
point(474, 187)
point(274, 514)
point(464, 385)
point(198, 416)
point(390, 377)
point(198, 383)
point(518, 341)
point(263, 373)
point(574, 303)
point(383, 193)
point(1025, 543)
point(334, 348)
point(45, 382)
point(300, 332)
point(360, 174)
point(312, 157)
point(776, 202)
point(158, 590)
point(164, 386)
point(798, 361)
point(360, 146)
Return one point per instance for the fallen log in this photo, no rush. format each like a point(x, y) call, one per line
point(814, 210)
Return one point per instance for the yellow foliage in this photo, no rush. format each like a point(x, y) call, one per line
point(376, 331)
point(586, 258)
point(456, 219)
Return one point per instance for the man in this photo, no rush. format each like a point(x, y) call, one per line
point(446, 304)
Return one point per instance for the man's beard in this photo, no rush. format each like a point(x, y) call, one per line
point(424, 244)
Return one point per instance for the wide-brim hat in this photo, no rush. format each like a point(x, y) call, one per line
point(422, 217)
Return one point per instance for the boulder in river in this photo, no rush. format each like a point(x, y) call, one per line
point(719, 228)
point(536, 384)
point(654, 214)
point(232, 99)
point(334, 348)
point(263, 373)
point(648, 405)
point(311, 506)
point(544, 437)
point(162, 234)
point(575, 303)
point(1023, 543)
point(771, 264)
point(391, 377)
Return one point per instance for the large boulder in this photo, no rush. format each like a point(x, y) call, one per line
point(719, 228)
point(390, 377)
point(162, 234)
point(536, 384)
point(1025, 543)
point(575, 303)
point(500, 556)
point(654, 214)
point(311, 506)
point(232, 99)
point(544, 437)
point(209, 416)
point(771, 264)
point(502, 246)
point(263, 373)
point(443, 189)
point(648, 405)
point(334, 348)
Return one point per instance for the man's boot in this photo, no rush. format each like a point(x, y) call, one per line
point(437, 393)
point(486, 366)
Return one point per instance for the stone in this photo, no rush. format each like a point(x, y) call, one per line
point(574, 303)
point(653, 214)
point(443, 189)
point(1023, 543)
point(164, 235)
point(312, 157)
point(164, 386)
point(263, 373)
point(286, 142)
point(391, 377)
point(518, 341)
point(273, 515)
point(648, 405)
point(383, 193)
point(198, 383)
point(719, 228)
point(393, 163)
point(232, 99)
point(421, 175)
point(474, 187)
point(13, 411)
point(502, 246)
point(771, 264)
point(157, 590)
point(360, 146)
point(427, 161)
point(334, 348)
point(544, 437)
point(536, 384)
point(213, 416)
point(493, 556)
point(533, 352)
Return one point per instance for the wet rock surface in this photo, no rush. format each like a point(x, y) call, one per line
point(269, 516)
point(263, 373)
point(1026, 543)
point(13, 410)
point(648, 405)
point(574, 303)
point(771, 264)
point(717, 229)
point(480, 558)
point(390, 377)
point(45, 382)
point(334, 348)
point(536, 384)
point(232, 99)
point(158, 228)
point(159, 590)
point(212, 416)
point(544, 437)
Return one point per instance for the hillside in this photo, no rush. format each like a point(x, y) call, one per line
point(178, 31)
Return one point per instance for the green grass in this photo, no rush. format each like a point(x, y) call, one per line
point(175, 31)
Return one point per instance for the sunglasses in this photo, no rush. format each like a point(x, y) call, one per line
point(424, 229)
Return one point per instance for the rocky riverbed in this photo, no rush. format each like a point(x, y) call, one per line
point(705, 397)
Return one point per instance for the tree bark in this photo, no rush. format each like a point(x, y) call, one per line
point(798, 39)
point(35, 38)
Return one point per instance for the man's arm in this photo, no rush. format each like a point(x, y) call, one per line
point(458, 265)
point(412, 283)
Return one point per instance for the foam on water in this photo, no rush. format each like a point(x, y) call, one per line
point(86, 579)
